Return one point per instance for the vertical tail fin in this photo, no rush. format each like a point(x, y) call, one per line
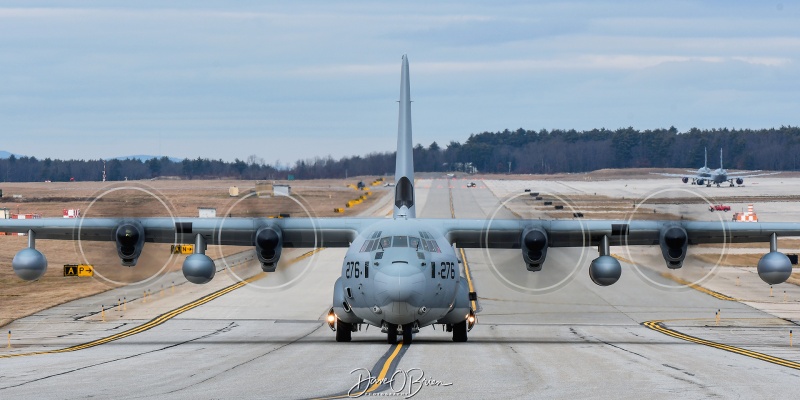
point(404, 166)
point(720, 158)
point(705, 152)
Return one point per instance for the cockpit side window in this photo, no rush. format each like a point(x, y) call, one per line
point(367, 245)
point(375, 245)
point(386, 242)
point(413, 242)
point(425, 246)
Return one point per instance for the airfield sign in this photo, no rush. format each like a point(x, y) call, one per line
point(182, 249)
point(82, 270)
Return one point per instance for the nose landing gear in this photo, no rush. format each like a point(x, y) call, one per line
point(391, 333)
point(407, 330)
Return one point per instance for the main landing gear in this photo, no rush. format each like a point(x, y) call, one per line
point(343, 331)
point(459, 331)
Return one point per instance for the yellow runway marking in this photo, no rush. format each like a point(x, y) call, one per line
point(621, 258)
point(697, 287)
point(385, 368)
point(658, 326)
point(684, 282)
point(378, 380)
point(463, 255)
point(161, 318)
point(469, 277)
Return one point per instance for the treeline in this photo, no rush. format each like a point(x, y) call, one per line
point(518, 151)
point(580, 151)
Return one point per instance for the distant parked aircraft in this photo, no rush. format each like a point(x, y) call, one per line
point(705, 176)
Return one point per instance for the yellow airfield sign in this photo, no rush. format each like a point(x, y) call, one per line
point(182, 249)
point(82, 270)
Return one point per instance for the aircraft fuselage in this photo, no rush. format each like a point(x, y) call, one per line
point(401, 272)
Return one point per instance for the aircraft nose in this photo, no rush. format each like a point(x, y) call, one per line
point(398, 282)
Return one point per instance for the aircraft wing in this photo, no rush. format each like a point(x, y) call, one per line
point(296, 232)
point(750, 174)
point(267, 236)
point(534, 237)
point(693, 175)
point(270, 236)
point(340, 232)
point(508, 234)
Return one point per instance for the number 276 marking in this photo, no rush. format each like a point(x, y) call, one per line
point(448, 270)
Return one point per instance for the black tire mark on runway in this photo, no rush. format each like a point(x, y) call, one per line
point(208, 335)
point(598, 340)
point(244, 362)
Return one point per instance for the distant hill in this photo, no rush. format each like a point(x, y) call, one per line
point(4, 154)
point(143, 157)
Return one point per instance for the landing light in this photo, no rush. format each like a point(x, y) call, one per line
point(332, 319)
point(471, 320)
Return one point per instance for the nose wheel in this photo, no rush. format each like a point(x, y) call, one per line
point(391, 333)
point(407, 331)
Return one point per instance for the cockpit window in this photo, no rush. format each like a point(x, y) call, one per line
point(396, 241)
point(375, 235)
point(400, 241)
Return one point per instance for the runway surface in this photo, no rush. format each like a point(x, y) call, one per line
point(574, 340)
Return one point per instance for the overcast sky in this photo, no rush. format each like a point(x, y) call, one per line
point(294, 80)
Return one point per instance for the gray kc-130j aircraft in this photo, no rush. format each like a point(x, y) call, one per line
point(705, 176)
point(403, 273)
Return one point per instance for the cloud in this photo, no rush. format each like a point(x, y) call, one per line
point(261, 72)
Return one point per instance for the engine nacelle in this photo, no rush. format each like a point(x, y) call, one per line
point(739, 181)
point(269, 243)
point(199, 268)
point(534, 248)
point(129, 236)
point(685, 179)
point(674, 240)
point(774, 268)
point(701, 181)
point(29, 264)
point(605, 270)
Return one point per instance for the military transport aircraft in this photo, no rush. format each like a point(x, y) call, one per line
point(403, 273)
point(705, 176)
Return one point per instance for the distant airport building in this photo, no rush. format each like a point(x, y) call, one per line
point(206, 212)
point(281, 190)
